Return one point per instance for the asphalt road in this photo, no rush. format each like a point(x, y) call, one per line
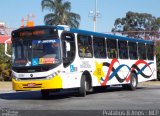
point(101, 102)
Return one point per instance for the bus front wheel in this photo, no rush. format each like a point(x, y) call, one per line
point(82, 89)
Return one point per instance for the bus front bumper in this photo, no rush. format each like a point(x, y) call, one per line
point(53, 83)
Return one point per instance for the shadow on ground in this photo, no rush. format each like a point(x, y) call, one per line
point(36, 95)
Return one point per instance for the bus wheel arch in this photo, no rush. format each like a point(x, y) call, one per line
point(85, 84)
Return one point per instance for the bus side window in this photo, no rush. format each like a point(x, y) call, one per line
point(112, 48)
point(133, 50)
point(142, 51)
point(68, 48)
point(99, 47)
point(150, 52)
point(123, 49)
point(85, 46)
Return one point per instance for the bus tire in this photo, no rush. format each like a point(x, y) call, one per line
point(133, 82)
point(45, 94)
point(82, 89)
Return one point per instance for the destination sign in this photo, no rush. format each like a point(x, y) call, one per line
point(32, 33)
point(23, 33)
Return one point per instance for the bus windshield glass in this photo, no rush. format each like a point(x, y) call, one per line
point(36, 52)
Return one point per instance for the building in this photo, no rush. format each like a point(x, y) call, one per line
point(5, 33)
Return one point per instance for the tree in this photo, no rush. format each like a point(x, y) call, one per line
point(137, 25)
point(60, 13)
point(5, 64)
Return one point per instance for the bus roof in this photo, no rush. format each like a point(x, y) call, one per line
point(110, 36)
point(85, 32)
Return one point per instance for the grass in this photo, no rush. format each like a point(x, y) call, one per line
point(150, 83)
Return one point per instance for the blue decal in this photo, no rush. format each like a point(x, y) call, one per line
point(45, 41)
point(35, 61)
point(71, 68)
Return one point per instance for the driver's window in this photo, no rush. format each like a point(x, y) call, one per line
point(68, 45)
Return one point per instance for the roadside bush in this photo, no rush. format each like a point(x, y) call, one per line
point(5, 72)
point(5, 64)
point(158, 67)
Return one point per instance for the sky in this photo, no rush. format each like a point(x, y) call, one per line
point(12, 11)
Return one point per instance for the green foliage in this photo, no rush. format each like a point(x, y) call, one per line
point(60, 13)
point(157, 46)
point(5, 64)
point(158, 66)
point(134, 22)
point(158, 58)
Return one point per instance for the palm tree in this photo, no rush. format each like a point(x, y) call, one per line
point(60, 13)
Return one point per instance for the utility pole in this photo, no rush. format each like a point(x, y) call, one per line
point(94, 14)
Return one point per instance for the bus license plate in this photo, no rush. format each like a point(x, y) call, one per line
point(31, 85)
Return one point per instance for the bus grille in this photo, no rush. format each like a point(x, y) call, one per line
point(37, 78)
point(34, 69)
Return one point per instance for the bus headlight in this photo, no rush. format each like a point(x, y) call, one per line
point(15, 78)
point(52, 75)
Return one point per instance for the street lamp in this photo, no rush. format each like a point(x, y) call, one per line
point(94, 14)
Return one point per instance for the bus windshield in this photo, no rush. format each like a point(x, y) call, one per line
point(36, 52)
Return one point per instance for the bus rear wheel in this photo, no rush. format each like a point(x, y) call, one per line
point(133, 83)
